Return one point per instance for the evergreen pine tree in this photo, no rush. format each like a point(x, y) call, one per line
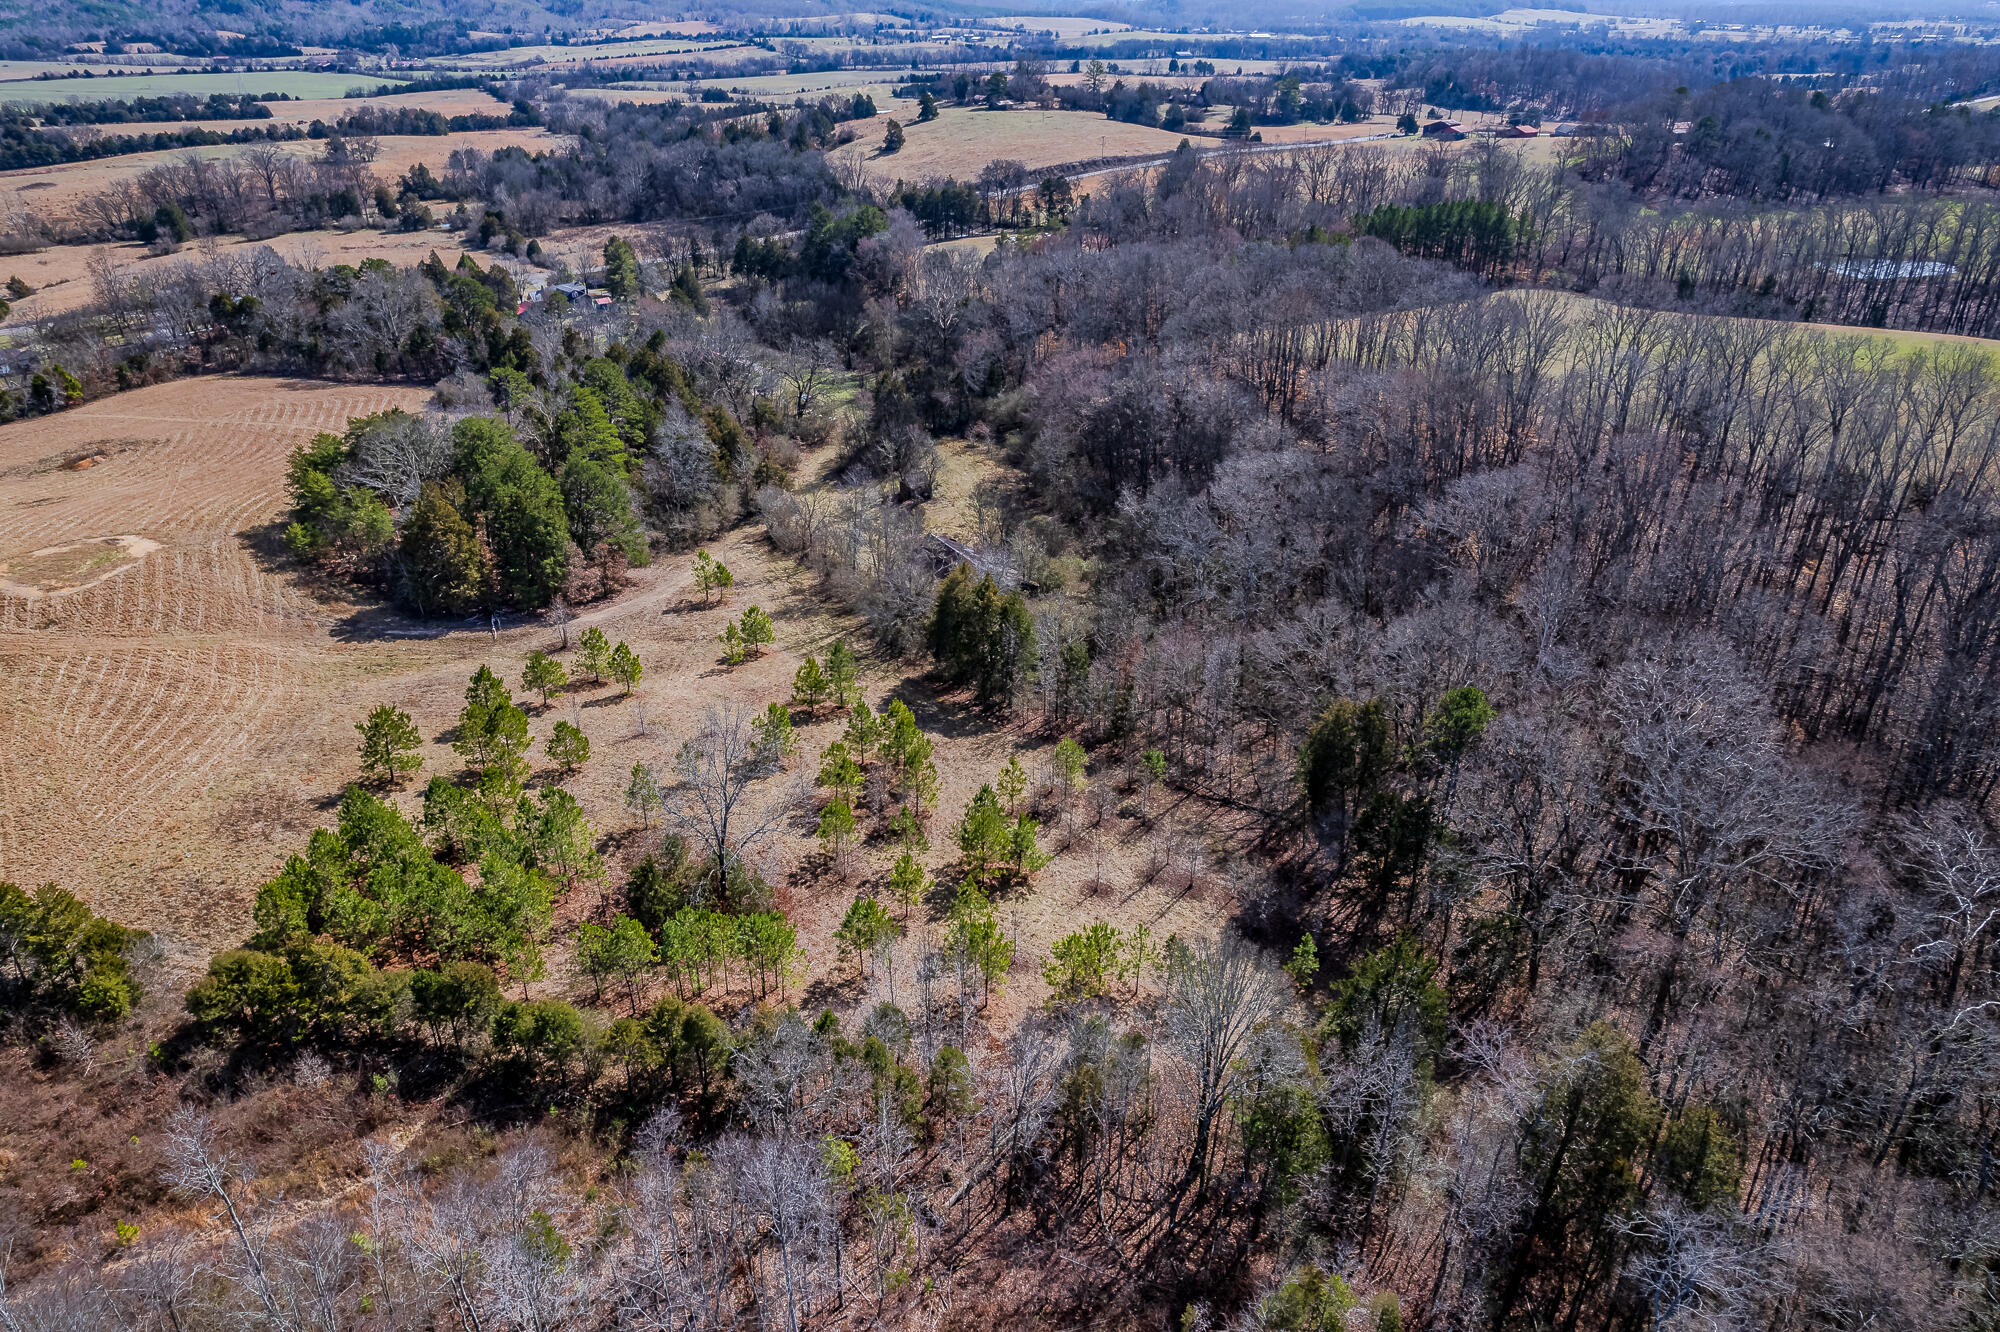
point(389, 744)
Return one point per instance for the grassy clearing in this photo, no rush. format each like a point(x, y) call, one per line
point(331, 110)
point(11, 70)
point(174, 732)
point(636, 96)
point(847, 81)
point(1061, 27)
point(1176, 40)
point(125, 702)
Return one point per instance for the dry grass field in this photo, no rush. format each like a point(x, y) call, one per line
point(516, 56)
point(636, 96)
point(964, 139)
point(130, 700)
point(12, 71)
point(1308, 133)
point(657, 28)
point(811, 86)
point(54, 191)
point(1903, 342)
point(1062, 27)
point(172, 730)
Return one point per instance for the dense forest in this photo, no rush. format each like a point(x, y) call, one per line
point(1593, 657)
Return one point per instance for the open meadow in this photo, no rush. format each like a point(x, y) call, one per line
point(557, 60)
point(131, 701)
point(1066, 28)
point(327, 110)
point(516, 56)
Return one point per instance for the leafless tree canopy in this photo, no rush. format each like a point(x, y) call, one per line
point(721, 802)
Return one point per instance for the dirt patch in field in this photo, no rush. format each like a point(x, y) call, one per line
point(54, 570)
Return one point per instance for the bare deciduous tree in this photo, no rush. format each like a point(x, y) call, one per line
point(809, 372)
point(197, 1168)
point(396, 454)
point(531, 1270)
point(790, 1079)
point(710, 805)
point(782, 1185)
point(1693, 1270)
point(1948, 854)
point(1218, 992)
point(1712, 799)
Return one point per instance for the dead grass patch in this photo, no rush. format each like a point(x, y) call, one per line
point(53, 570)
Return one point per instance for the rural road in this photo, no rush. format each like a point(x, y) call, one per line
point(653, 586)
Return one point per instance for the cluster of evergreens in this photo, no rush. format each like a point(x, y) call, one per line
point(492, 516)
point(1481, 237)
point(384, 929)
point(62, 957)
point(981, 636)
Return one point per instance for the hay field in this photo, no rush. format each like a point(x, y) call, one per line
point(773, 87)
point(569, 55)
point(635, 96)
point(105, 88)
point(964, 139)
point(1106, 36)
point(656, 28)
point(127, 699)
point(13, 70)
point(722, 55)
point(1307, 133)
point(54, 191)
point(61, 273)
point(1903, 342)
